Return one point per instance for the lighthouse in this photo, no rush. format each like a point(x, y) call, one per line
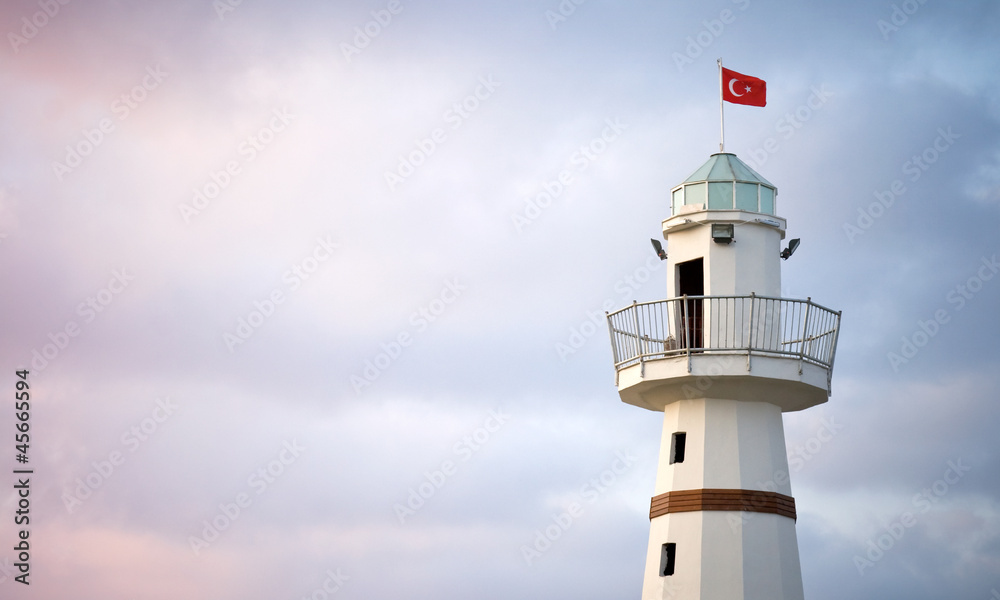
point(722, 357)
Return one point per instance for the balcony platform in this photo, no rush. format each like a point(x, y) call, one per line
point(655, 383)
point(750, 348)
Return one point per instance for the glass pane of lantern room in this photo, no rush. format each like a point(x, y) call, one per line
point(720, 195)
point(695, 194)
point(746, 196)
point(766, 200)
point(677, 201)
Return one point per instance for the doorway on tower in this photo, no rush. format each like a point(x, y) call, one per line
point(691, 282)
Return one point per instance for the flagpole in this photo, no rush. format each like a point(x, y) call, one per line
point(722, 114)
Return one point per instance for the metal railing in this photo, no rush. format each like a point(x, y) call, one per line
point(752, 324)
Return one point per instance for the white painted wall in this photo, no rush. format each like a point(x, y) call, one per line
point(731, 444)
point(749, 264)
point(724, 555)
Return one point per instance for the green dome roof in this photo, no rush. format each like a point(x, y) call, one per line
point(725, 183)
point(726, 167)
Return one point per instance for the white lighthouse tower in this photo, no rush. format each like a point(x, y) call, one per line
point(723, 357)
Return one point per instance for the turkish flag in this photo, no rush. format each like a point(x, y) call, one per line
point(743, 89)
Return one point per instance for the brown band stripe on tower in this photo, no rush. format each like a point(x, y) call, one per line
point(741, 500)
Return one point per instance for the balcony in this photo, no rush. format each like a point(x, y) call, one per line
point(775, 334)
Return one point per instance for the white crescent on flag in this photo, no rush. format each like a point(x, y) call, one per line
point(731, 90)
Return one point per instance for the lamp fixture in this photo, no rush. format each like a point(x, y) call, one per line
point(658, 248)
point(792, 245)
point(722, 233)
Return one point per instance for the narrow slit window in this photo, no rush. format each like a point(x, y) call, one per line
point(677, 442)
point(667, 555)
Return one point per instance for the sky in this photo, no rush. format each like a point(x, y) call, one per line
point(311, 294)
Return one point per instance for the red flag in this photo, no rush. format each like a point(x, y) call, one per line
point(743, 89)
